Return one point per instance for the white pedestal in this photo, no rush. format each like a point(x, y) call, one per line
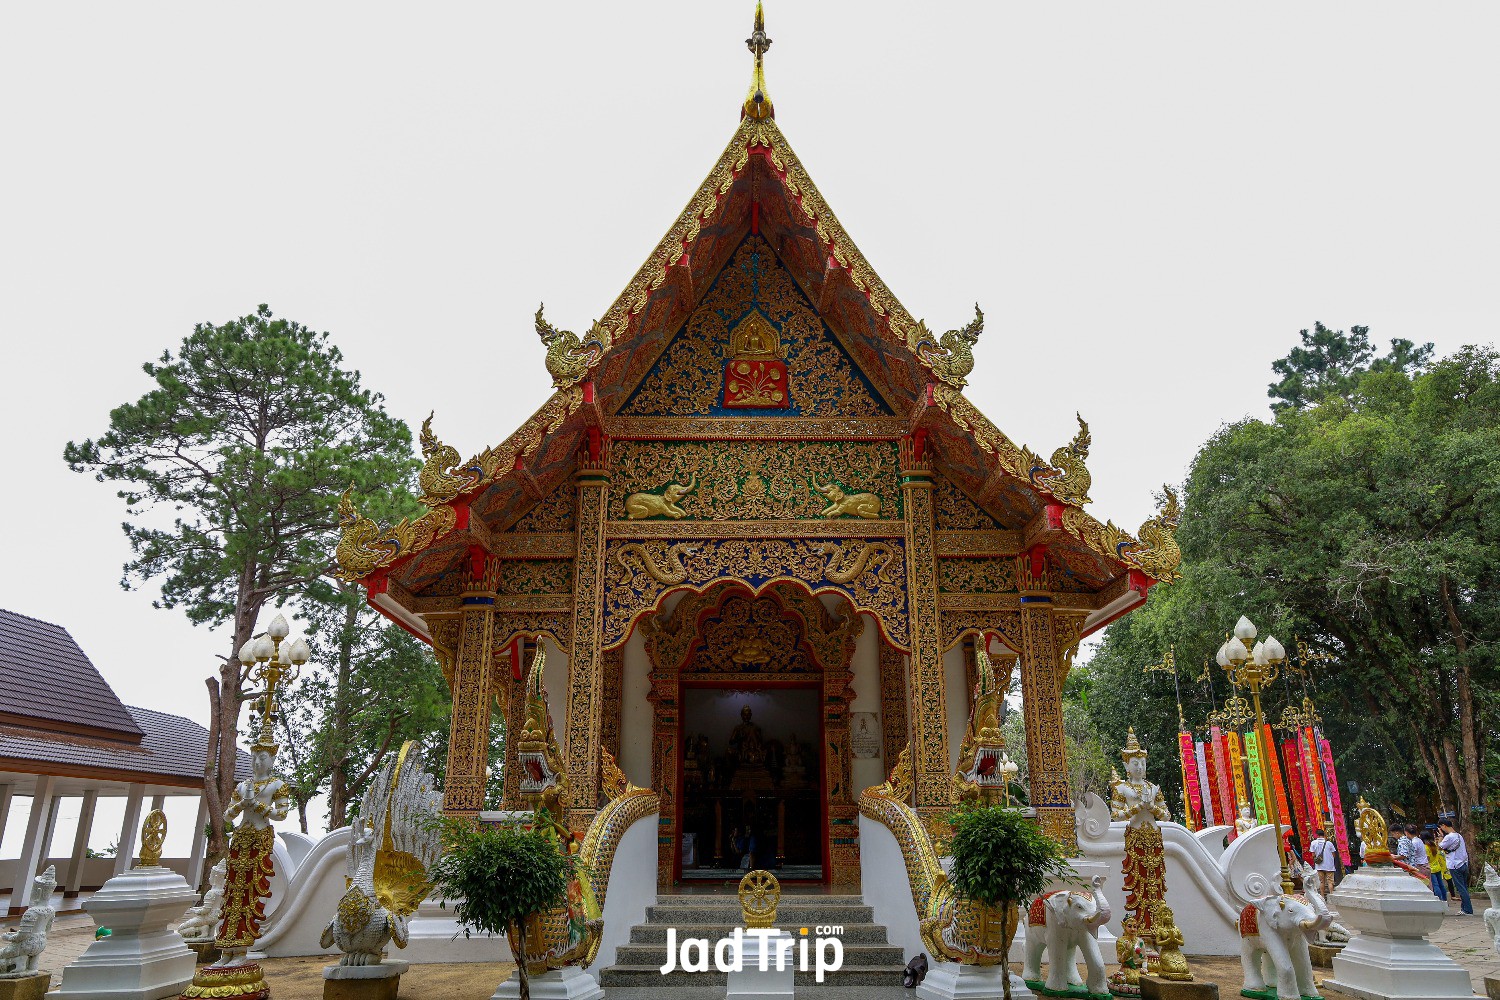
point(388, 968)
point(1391, 914)
point(141, 959)
point(950, 981)
point(571, 983)
point(750, 983)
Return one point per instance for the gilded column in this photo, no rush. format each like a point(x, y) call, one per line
point(893, 715)
point(586, 660)
point(932, 769)
point(469, 732)
point(1041, 699)
point(515, 716)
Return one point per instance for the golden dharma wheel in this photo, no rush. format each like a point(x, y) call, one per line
point(759, 895)
point(153, 836)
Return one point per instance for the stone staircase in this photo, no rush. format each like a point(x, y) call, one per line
point(869, 960)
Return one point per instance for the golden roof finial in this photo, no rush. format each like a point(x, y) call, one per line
point(758, 102)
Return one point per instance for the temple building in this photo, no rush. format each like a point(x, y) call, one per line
point(760, 531)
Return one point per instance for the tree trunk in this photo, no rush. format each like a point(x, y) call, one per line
point(520, 926)
point(224, 726)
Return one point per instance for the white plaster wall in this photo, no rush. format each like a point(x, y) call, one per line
point(555, 679)
point(955, 692)
point(632, 887)
point(867, 771)
point(636, 712)
point(885, 887)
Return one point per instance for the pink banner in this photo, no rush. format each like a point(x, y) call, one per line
point(1190, 774)
point(1339, 828)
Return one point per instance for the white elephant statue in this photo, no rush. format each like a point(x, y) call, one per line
point(1335, 932)
point(1061, 923)
point(1278, 929)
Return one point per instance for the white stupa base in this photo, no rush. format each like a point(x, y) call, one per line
point(750, 983)
point(141, 959)
point(571, 983)
point(1389, 957)
point(389, 968)
point(951, 981)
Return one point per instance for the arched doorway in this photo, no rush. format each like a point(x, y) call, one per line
point(785, 770)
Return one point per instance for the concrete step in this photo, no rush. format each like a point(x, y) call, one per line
point(650, 975)
point(788, 914)
point(862, 955)
point(657, 933)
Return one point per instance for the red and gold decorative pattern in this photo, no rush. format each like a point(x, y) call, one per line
point(1145, 869)
point(247, 887)
point(756, 385)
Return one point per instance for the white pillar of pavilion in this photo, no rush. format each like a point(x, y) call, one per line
point(74, 881)
point(32, 847)
point(6, 791)
point(200, 845)
point(158, 801)
point(130, 829)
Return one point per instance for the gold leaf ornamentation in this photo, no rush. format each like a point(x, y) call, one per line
point(569, 357)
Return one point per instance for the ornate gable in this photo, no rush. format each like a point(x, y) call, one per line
point(754, 320)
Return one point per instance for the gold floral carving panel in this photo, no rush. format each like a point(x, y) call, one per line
point(871, 573)
point(976, 576)
point(551, 576)
point(755, 480)
point(552, 513)
point(955, 511)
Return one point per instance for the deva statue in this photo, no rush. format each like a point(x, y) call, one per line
point(1141, 805)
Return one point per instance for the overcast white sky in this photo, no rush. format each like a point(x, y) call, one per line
point(1148, 200)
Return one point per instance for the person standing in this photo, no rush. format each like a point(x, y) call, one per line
point(1437, 865)
point(1325, 860)
point(1402, 849)
point(1458, 863)
point(1416, 852)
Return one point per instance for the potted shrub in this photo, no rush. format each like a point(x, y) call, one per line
point(1002, 859)
point(501, 875)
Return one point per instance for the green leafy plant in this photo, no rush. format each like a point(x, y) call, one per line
point(500, 875)
point(1002, 859)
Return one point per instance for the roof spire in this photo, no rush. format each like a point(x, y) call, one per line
point(758, 102)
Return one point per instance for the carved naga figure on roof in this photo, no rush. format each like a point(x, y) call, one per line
point(570, 934)
point(951, 356)
point(1069, 480)
point(1159, 554)
point(953, 928)
point(569, 358)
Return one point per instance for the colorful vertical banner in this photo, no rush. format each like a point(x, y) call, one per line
point(1226, 783)
point(1210, 818)
point(1276, 793)
point(1297, 788)
point(1237, 768)
point(1312, 767)
point(1211, 766)
point(1341, 831)
point(1262, 799)
point(1190, 773)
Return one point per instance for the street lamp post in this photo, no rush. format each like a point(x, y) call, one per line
point(1256, 666)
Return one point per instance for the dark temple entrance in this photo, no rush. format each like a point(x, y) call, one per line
point(752, 787)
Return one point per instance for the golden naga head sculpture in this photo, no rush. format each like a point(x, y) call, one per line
point(980, 775)
point(537, 753)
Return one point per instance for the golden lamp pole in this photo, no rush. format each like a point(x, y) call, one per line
point(265, 661)
point(1255, 667)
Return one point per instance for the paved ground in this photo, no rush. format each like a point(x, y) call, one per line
point(1462, 937)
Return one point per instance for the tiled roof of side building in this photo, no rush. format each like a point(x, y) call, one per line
point(172, 749)
point(44, 675)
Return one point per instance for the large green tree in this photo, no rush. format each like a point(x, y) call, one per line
point(229, 467)
point(1364, 521)
point(1332, 362)
point(370, 687)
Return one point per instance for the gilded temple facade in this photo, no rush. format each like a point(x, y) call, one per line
point(756, 484)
